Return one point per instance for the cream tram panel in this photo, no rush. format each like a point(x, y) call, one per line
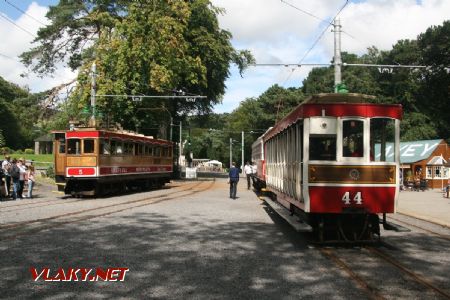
point(322, 125)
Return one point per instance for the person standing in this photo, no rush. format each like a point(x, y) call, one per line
point(6, 166)
point(248, 173)
point(31, 181)
point(22, 174)
point(234, 179)
point(15, 176)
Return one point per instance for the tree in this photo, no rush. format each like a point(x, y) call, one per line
point(150, 48)
point(434, 90)
point(2, 139)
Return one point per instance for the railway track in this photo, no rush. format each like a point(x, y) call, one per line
point(370, 286)
point(12, 231)
point(404, 222)
point(28, 205)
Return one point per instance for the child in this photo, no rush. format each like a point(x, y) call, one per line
point(31, 180)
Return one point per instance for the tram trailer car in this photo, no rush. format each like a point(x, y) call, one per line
point(91, 161)
point(334, 162)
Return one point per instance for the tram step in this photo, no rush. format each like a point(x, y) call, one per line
point(298, 225)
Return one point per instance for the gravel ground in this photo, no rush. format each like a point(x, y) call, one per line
point(199, 246)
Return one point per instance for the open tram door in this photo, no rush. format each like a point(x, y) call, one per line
point(59, 152)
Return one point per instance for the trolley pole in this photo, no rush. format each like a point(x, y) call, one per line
point(231, 152)
point(337, 54)
point(181, 145)
point(242, 150)
point(93, 74)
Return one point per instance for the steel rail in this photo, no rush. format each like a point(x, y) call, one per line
point(416, 277)
point(88, 217)
point(17, 224)
point(372, 293)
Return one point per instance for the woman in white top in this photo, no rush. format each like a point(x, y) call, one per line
point(23, 172)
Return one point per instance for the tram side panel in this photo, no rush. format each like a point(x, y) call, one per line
point(284, 165)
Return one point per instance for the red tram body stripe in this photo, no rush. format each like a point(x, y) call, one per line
point(134, 170)
point(80, 171)
point(329, 199)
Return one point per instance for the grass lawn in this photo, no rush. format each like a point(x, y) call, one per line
point(39, 159)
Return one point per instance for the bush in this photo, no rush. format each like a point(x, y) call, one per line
point(5, 150)
point(29, 151)
point(18, 152)
point(50, 172)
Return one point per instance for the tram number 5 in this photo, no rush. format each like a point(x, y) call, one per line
point(357, 199)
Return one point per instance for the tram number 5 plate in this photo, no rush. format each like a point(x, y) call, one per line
point(357, 198)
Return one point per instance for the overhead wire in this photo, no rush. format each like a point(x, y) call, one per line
point(15, 24)
point(22, 11)
point(315, 42)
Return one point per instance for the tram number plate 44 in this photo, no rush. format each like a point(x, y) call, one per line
point(357, 198)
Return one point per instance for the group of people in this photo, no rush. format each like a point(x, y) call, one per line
point(249, 170)
point(13, 176)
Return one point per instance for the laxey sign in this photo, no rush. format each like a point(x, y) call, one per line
point(79, 274)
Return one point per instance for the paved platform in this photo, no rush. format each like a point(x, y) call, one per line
point(428, 205)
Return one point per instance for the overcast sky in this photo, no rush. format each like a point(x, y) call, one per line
point(274, 31)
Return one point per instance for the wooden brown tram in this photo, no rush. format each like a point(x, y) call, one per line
point(90, 161)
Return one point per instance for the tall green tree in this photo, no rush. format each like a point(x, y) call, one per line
point(434, 90)
point(140, 47)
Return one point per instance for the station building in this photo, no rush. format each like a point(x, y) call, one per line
point(427, 159)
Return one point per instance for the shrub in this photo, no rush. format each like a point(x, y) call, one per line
point(5, 150)
point(50, 172)
point(29, 151)
point(18, 152)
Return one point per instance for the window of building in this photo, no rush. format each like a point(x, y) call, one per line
point(437, 172)
point(73, 146)
point(88, 146)
point(322, 147)
point(352, 138)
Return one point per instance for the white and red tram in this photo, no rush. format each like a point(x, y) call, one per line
point(319, 162)
point(91, 161)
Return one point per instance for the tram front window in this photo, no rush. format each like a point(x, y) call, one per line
point(382, 139)
point(352, 138)
point(73, 146)
point(322, 147)
point(88, 146)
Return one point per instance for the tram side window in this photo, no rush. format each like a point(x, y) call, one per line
point(382, 139)
point(88, 146)
point(128, 148)
point(352, 138)
point(165, 152)
point(322, 147)
point(148, 150)
point(157, 151)
point(62, 146)
point(119, 148)
point(73, 146)
point(105, 147)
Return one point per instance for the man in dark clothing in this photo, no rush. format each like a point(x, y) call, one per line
point(234, 179)
point(15, 176)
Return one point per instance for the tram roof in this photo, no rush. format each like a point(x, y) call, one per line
point(119, 134)
point(337, 105)
point(339, 98)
